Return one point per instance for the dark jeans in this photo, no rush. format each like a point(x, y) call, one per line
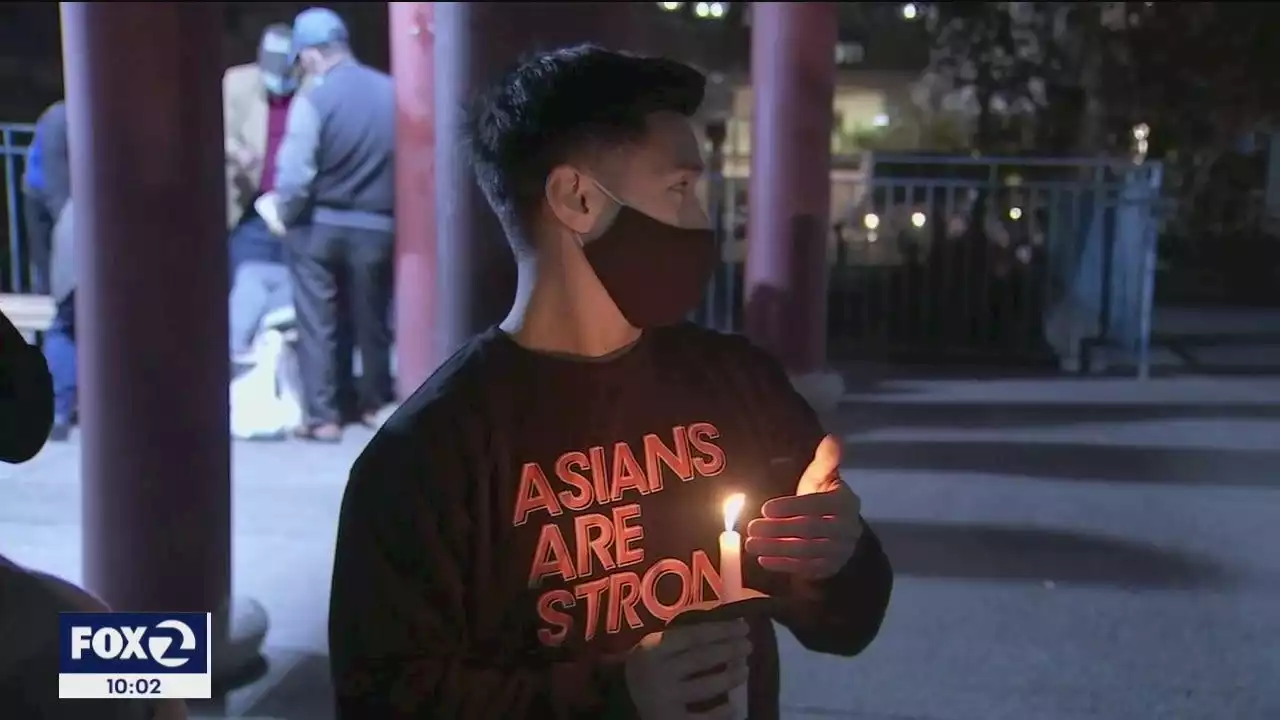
point(253, 240)
point(60, 353)
point(326, 260)
point(39, 224)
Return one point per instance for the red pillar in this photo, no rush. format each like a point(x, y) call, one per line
point(473, 43)
point(412, 66)
point(793, 82)
point(145, 117)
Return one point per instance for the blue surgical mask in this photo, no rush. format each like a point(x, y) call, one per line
point(280, 84)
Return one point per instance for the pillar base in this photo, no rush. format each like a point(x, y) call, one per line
point(239, 660)
point(823, 389)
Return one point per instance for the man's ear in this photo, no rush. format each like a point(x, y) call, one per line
point(568, 200)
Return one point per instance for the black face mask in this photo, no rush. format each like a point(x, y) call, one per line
point(655, 273)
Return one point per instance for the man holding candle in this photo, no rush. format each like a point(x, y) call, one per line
point(522, 537)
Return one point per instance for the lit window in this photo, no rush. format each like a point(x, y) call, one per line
point(849, 53)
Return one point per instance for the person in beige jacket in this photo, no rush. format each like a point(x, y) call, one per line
point(253, 96)
point(256, 101)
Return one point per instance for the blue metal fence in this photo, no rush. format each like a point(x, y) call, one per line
point(940, 259)
point(930, 258)
point(15, 138)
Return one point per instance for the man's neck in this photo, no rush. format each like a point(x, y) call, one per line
point(333, 62)
point(553, 315)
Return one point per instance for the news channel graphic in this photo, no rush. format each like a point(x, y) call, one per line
point(135, 655)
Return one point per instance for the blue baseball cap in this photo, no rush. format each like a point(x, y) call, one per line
point(317, 26)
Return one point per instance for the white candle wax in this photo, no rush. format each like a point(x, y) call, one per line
point(731, 583)
point(731, 550)
point(731, 565)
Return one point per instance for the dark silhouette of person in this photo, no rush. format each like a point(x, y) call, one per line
point(26, 396)
point(30, 599)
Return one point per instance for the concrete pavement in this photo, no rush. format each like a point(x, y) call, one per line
point(1066, 550)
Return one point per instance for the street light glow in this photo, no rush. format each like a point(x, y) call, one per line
point(710, 10)
point(670, 6)
point(910, 11)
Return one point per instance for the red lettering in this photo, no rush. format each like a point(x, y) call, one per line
point(627, 474)
point(624, 594)
point(551, 609)
point(657, 455)
point(569, 470)
point(612, 603)
point(711, 461)
point(599, 473)
point(627, 534)
point(593, 543)
point(550, 556)
point(534, 494)
point(705, 576)
point(590, 591)
point(649, 588)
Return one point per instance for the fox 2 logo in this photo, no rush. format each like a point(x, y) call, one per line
point(134, 642)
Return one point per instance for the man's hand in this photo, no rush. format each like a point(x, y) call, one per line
point(814, 532)
point(670, 670)
point(245, 158)
point(268, 208)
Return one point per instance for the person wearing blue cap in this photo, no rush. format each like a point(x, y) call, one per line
point(334, 197)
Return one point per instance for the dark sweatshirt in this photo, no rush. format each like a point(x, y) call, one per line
point(29, 606)
point(26, 396)
point(524, 519)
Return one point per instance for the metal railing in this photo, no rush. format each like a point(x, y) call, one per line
point(15, 273)
point(929, 258)
point(1009, 260)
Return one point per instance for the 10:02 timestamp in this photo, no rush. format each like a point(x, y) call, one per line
point(133, 687)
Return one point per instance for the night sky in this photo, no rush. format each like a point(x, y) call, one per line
point(31, 46)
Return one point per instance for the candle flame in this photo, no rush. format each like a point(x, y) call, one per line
point(732, 509)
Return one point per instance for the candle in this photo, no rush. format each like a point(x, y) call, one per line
point(731, 550)
point(731, 582)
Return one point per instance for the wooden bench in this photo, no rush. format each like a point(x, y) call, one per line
point(30, 314)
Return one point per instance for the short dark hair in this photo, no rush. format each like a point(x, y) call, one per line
point(557, 104)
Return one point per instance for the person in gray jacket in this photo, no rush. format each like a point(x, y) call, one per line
point(54, 182)
point(334, 201)
point(46, 185)
point(60, 339)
